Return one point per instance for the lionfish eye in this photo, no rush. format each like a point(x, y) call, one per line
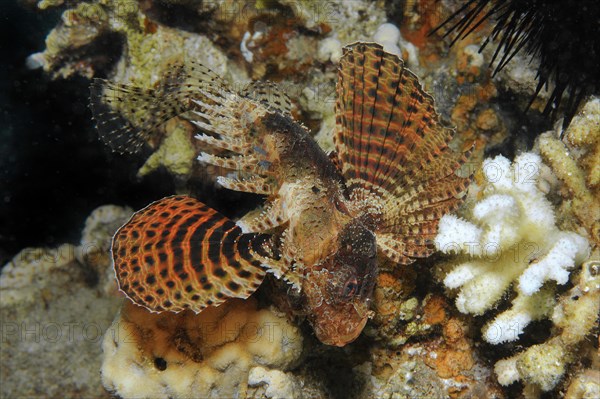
point(350, 288)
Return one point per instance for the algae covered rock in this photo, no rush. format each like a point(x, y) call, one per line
point(54, 312)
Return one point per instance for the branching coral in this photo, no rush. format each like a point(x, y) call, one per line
point(543, 365)
point(576, 162)
point(210, 354)
point(511, 238)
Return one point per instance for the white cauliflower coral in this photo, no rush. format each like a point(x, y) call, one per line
point(510, 239)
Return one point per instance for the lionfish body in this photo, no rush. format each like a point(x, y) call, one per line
point(391, 179)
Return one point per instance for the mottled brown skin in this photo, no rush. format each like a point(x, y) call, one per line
point(337, 293)
point(333, 250)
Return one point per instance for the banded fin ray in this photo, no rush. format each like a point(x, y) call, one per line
point(179, 254)
point(122, 114)
point(269, 94)
point(392, 150)
point(128, 116)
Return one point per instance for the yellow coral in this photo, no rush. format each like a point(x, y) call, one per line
point(576, 162)
point(176, 152)
point(187, 355)
point(543, 365)
point(585, 385)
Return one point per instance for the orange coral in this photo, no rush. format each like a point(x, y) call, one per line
point(434, 310)
point(453, 354)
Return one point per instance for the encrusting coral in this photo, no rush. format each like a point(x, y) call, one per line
point(214, 354)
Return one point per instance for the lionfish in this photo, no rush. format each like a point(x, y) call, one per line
point(326, 217)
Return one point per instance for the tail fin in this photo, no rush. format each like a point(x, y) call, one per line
point(179, 254)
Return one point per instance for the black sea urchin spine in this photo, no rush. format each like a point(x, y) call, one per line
point(563, 35)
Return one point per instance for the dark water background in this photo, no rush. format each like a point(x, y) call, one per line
point(53, 169)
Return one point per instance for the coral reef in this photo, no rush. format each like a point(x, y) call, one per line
point(216, 353)
point(576, 162)
point(55, 305)
point(423, 347)
point(78, 45)
point(575, 315)
point(434, 367)
point(539, 30)
point(417, 345)
point(511, 237)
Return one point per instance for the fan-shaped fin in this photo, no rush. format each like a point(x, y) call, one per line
point(122, 114)
point(178, 254)
point(388, 129)
point(128, 116)
point(393, 151)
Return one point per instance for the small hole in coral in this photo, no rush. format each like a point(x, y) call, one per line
point(160, 363)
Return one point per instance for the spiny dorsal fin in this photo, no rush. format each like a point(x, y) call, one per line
point(179, 254)
point(123, 114)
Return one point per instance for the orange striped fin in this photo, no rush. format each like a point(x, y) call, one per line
point(392, 150)
point(387, 124)
point(179, 254)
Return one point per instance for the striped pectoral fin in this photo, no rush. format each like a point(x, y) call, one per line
point(179, 254)
point(404, 249)
point(111, 108)
point(388, 135)
point(273, 215)
point(127, 116)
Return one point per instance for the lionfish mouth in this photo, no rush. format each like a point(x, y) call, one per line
point(340, 339)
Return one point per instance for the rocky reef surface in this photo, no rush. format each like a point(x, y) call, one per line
point(507, 308)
